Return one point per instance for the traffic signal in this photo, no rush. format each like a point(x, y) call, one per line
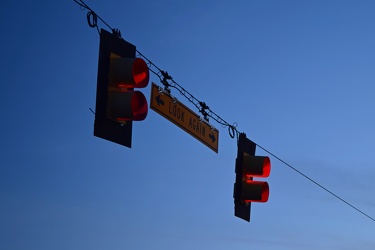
point(117, 104)
point(247, 190)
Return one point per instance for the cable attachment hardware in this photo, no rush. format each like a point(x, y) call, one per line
point(203, 110)
point(116, 32)
point(92, 19)
point(164, 81)
point(160, 90)
point(232, 129)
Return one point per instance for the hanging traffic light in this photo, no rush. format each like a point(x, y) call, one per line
point(248, 165)
point(117, 104)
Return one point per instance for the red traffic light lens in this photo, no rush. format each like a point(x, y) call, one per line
point(126, 106)
point(255, 191)
point(256, 166)
point(128, 72)
point(141, 73)
point(139, 106)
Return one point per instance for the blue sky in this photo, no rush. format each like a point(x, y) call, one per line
point(297, 76)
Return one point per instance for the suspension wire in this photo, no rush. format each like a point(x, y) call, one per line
point(316, 183)
point(169, 83)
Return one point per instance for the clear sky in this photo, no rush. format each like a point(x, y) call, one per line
point(297, 77)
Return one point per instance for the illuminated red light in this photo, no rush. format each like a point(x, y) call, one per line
point(139, 106)
point(255, 191)
point(141, 73)
point(127, 106)
point(256, 166)
point(266, 167)
point(128, 73)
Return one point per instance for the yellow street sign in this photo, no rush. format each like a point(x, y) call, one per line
point(185, 118)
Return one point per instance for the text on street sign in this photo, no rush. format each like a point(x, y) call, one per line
point(185, 118)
